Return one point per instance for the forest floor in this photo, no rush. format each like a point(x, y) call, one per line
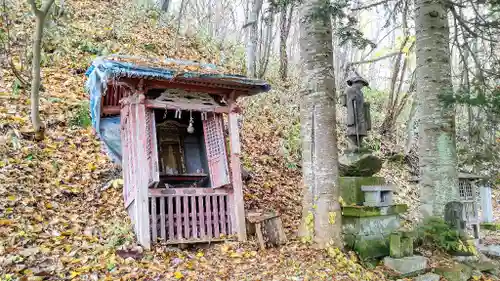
point(55, 221)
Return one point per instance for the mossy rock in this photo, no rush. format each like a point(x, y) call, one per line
point(364, 166)
point(490, 226)
point(457, 272)
point(484, 266)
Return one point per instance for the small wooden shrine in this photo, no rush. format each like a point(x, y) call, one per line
point(178, 145)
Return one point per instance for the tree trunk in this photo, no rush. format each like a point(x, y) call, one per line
point(253, 38)
point(165, 5)
point(40, 16)
point(35, 83)
point(412, 126)
point(285, 23)
point(437, 143)
point(321, 213)
point(264, 62)
point(179, 20)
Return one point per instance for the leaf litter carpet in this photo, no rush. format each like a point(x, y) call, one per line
point(55, 221)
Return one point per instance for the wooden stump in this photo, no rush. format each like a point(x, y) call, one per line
point(267, 226)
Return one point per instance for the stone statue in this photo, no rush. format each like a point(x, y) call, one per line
point(358, 112)
point(454, 215)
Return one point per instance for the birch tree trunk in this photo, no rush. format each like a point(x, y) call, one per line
point(285, 23)
point(437, 143)
point(266, 42)
point(165, 5)
point(40, 15)
point(321, 214)
point(253, 37)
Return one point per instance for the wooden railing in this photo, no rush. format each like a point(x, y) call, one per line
point(187, 215)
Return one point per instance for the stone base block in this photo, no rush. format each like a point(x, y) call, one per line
point(458, 272)
point(371, 247)
point(428, 277)
point(367, 226)
point(351, 188)
point(368, 236)
point(407, 265)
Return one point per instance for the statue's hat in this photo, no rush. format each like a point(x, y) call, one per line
point(356, 78)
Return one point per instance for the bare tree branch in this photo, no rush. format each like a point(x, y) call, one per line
point(370, 5)
point(46, 6)
point(464, 25)
point(375, 59)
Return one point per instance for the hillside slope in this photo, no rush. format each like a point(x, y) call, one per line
point(55, 221)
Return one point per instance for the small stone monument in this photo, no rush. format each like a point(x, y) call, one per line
point(369, 215)
point(377, 195)
point(402, 259)
point(454, 215)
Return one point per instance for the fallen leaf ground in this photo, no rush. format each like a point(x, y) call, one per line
point(56, 224)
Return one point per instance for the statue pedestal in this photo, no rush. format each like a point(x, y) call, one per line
point(359, 163)
point(367, 229)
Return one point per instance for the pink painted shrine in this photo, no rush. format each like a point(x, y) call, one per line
point(181, 154)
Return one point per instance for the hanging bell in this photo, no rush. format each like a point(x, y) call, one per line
point(190, 128)
point(165, 114)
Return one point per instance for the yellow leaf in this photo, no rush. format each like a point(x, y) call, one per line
point(200, 254)
point(5, 222)
point(12, 198)
point(341, 201)
point(331, 217)
point(225, 248)
point(91, 166)
point(48, 206)
point(178, 275)
point(235, 255)
point(117, 183)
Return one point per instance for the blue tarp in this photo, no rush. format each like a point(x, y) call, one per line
point(104, 70)
point(109, 134)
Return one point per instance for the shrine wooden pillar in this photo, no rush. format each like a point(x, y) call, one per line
point(238, 221)
point(136, 170)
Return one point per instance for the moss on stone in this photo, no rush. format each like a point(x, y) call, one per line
point(368, 211)
point(398, 209)
point(490, 226)
point(359, 165)
point(372, 247)
point(351, 188)
point(360, 211)
point(484, 266)
point(409, 234)
point(407, 246)
point(349, 240)
point(457, 272)
point(395, 245)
